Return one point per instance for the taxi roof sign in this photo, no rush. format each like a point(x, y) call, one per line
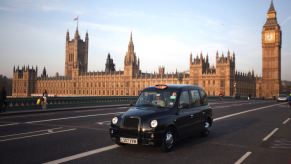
point(161, 86)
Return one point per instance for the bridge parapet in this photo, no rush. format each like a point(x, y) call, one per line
point(59, 102)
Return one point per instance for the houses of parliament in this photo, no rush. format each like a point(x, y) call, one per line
point(221, 79)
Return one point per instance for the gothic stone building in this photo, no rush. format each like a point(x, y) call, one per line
point(222, 79)
point(78, 81)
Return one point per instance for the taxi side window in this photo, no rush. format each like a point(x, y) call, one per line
point(195, 98)
point(184, 101)
point(203, 96)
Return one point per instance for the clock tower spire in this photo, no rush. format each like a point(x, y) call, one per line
point(271, 55)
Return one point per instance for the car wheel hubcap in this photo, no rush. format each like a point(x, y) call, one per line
point(169, 139)
point(206, 125)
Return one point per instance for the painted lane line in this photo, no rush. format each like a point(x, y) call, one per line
point(270, 134)
point(247, 111)
point(28, 115)
point(42, 134)
point(9, 124)
point(227, 106)
point(285, 122)
point(245, 156)
point(18, 134)
point(81, 155)
point(90, 110)
point(104, 123)
point(67, 118)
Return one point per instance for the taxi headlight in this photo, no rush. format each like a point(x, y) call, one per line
point(114, 120)
point(154, 123)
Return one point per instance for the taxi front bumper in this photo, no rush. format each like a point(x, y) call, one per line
point(143, 137)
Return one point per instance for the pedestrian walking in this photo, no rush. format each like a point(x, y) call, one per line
point(3, 97)
point(44, 100)
point(220, 96)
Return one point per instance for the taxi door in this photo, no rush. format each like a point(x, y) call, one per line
point(184, 120)
point(197, 110)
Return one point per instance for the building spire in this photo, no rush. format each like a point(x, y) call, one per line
point(68, 35)
point(272, 8)
point(87, 36)
point(77, 31)
point(131, 37)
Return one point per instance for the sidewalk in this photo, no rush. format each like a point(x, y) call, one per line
point(29, 111)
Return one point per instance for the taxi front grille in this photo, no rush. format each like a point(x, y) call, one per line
point(131, 123)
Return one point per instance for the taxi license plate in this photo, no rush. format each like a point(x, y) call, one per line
point(128, 140)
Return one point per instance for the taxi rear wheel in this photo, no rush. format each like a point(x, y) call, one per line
point(168, 141)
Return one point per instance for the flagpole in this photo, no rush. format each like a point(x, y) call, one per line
point(77, 19)
point(77, 22)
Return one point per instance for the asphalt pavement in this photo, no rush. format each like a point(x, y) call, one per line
point(255, 131)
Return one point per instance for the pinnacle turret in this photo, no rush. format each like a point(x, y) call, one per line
point(68, 35)
point(272, 8)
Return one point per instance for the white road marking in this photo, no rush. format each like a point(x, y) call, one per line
point(81, 155)
point(9, 124)
point(227, 106)
point(90, 110)
point(104, 123)
point(239, 113)
point(28, 115)
point(42, 134)
point(270, 134)
point(67, 118)
point(243, 157)
point(11, 135)
point(285, 122)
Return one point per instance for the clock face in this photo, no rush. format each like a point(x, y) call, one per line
point(270, 37)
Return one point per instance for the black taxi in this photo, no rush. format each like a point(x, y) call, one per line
point(163, 114)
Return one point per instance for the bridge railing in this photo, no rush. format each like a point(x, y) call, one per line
point(61, 102)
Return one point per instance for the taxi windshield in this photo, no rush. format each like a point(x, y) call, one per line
point(159, 98)
point(282, 95)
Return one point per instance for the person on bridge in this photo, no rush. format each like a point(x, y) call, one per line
point(220, 96)
point(44, 100)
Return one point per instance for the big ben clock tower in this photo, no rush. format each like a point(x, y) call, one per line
point(271, 55)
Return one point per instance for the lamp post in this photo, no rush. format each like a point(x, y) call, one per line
point(234, 88)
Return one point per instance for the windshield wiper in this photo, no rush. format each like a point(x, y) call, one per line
point(145, 105)
point(158, 106)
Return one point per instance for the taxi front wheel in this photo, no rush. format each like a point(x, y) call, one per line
point(168, 141)
point(206, 125)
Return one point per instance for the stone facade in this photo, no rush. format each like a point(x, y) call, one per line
point(76, 54)
point(269, 85)
point(222, 79)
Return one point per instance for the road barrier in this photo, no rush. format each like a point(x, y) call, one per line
point(61, 102)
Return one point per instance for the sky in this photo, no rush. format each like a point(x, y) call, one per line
point(165, 32)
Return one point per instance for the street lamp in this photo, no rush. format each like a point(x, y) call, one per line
point(234, 87)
